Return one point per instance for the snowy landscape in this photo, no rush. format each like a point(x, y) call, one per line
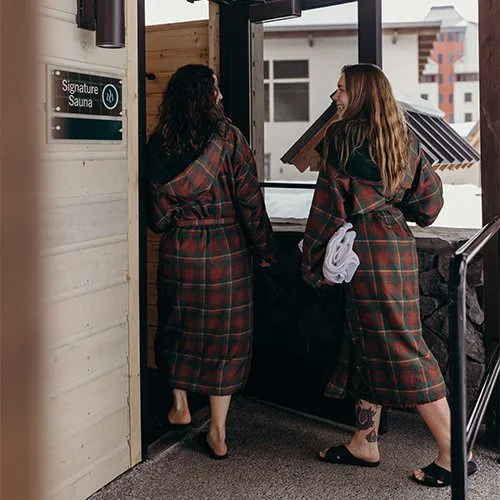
point(462, 206)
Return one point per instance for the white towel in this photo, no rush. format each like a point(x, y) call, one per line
point(341, 261)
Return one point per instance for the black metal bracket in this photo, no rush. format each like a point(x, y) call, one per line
point(86, 14)
point(274, 10)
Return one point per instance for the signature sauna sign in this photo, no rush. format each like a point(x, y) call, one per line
point(85, 94)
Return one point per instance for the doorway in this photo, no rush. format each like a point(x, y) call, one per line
point(293, 346)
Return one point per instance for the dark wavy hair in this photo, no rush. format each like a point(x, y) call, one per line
point(189, 113)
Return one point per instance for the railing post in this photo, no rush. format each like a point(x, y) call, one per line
point(458, 282)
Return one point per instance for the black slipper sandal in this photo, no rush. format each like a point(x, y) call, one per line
point(169, 426)
point(437, 477)
point(211, 453)
point(341, 455)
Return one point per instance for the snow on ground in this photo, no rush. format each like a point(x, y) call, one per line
point(462, 205)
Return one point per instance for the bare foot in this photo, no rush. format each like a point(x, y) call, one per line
point(179, 417)
point(442, 461)
point(217, 442)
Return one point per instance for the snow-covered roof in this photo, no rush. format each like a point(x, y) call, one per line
point(418, 104)
point(448, 15)
point(463, 128)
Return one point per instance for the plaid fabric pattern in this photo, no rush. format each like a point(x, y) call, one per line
point(204, 338)
point(383, 356)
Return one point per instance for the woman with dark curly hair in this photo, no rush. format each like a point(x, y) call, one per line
point(206, 200)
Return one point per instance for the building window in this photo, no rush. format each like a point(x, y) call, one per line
point(468, 117)
point(427, 79)
point(267, 166)
point(425, 97)
point(450, 98)
point(441, 100)
point(440, 58)
point(286, 91)
point(291, 69)
point(468, 97)
point(450, 36)
point(468, 77)
point(460, 36)
point(440, 78)
point(266, 102)
point(451, 118)
point(441, 37)
point(291, 102)
point(451, 77)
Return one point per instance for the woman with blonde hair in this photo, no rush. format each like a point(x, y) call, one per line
point(375, 175)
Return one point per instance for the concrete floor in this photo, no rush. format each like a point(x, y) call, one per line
point(273, 456)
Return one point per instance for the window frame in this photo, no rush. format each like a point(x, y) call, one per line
point(267, 166)
point(271, 81)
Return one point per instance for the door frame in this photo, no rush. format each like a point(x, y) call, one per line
point(237, 37)
point(142, 225)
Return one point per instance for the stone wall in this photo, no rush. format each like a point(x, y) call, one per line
point(297, 330)
point(435, 250)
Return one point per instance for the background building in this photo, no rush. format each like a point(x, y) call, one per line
point(302, 66)
point(456, 53)
point(433, 63)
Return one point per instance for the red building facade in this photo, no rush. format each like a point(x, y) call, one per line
point(448, 48)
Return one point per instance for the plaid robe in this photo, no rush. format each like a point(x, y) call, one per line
point(383, 356)
point(213, 218)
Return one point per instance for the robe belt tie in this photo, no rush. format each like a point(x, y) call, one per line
point(204, 222)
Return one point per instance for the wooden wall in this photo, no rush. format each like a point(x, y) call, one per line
point(84, 222)
point(168, 47)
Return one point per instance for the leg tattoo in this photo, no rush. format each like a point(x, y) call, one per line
point(372, 437)
point(365, 417)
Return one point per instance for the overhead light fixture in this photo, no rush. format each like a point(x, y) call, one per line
point(106, 18)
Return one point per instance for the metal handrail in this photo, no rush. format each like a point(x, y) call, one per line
point(463, 434)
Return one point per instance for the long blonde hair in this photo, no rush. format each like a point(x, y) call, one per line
point(374, 117)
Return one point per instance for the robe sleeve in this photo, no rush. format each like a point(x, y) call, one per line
point(326, 216)
point(163, 210)
point(249, 201)
point(423, 201)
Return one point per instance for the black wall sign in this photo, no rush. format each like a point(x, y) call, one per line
point(88, 129)
point(85, 94)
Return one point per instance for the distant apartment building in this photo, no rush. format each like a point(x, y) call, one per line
point(454, 66)
point(302, 66)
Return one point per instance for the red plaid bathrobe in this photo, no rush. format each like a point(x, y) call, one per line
point(213, 217)
point(383, 356)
